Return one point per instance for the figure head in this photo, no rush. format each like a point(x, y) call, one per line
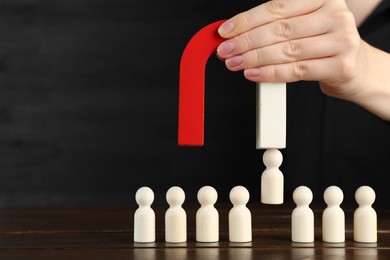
point(207, 195)
point(302, 196)
point(365, 195)
point(272, 158)
point(333, 195)
point(239, 195)
point(144, 196)
point(175, 196)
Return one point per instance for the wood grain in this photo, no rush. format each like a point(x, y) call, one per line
point(29, 233)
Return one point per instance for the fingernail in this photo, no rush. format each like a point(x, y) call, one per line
point(234, 61)
point(225, 48)
point(225, 28)
point(252, 72)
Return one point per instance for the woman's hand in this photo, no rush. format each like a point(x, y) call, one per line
point(291, 40)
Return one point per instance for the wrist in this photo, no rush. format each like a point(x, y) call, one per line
point(372, 85)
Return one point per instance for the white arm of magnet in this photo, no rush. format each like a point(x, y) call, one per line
point(271, 115)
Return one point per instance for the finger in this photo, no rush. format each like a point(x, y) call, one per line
point(266, 13)
point(318, 70)
point(271, 33)
point(289, 51)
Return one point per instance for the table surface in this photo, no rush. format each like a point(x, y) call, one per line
point(102, 232)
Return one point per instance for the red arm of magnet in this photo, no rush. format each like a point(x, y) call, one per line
point(191, 86)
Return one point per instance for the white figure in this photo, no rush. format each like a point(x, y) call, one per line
point(364, 217)
point(175, 216)
point(207, 217)
point(302, 217)
point(272, 179)
point(333, 218)
point(240, 218)
point(144, 217)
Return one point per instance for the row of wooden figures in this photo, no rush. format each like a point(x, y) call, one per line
point(240, 219)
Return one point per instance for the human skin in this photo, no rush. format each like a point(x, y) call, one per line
point(292, 40)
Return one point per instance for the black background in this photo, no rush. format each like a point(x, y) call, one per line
point(88, 102)
point(89, 97)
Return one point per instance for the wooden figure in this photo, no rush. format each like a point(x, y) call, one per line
point(207, 217)
point(364, 217)
point(302, 217)
point(272, 180)
point(175, 216)
point(240, 218)
point(144, 217)
point(333, 217)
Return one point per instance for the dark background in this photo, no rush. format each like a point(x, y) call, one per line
point(88, 102)
point(88, 106)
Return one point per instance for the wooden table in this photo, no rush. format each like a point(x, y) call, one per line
point(102, 233)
